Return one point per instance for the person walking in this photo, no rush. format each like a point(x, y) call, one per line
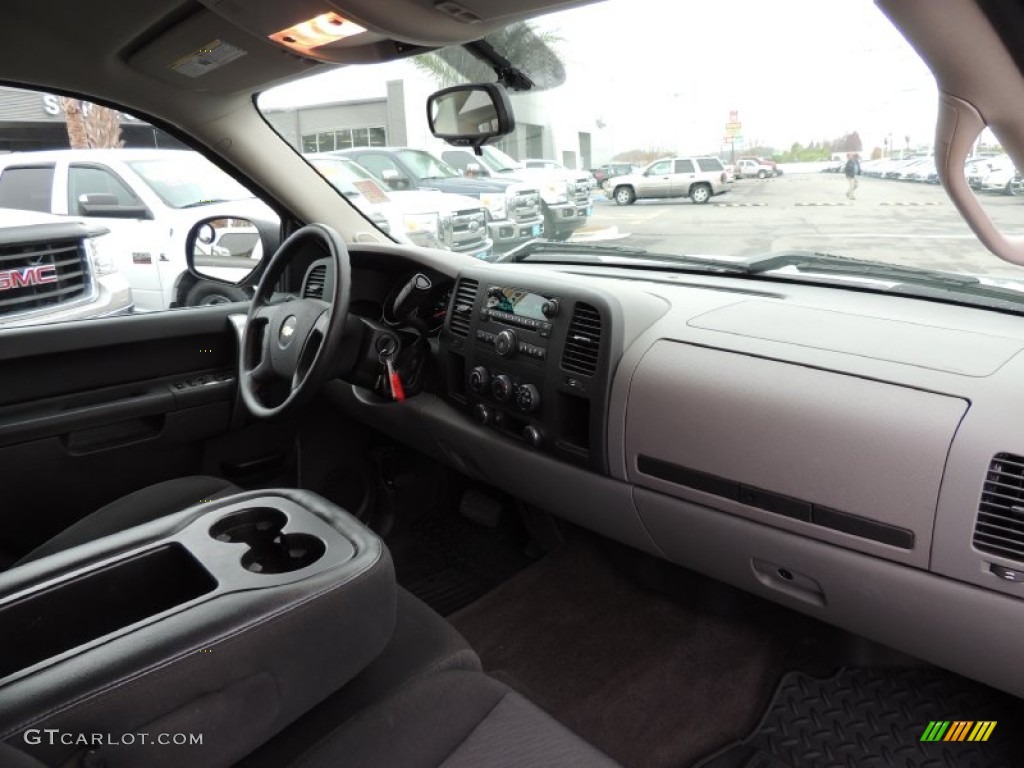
point(852, 171)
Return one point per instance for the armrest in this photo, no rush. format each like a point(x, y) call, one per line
point(227, 620)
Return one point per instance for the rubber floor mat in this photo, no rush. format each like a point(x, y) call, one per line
point(872, 717)
point(448, 590)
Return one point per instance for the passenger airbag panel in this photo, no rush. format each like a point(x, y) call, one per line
point(862, 451)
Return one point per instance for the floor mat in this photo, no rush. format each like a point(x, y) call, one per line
point(447, 590)
point(448, 561)
point(647, 680)
point(871, 717)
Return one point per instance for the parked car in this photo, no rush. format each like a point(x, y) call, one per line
point(514, 209)
point(755, 167)
point(564, 193)
point(730, 172)
point(554, 165)
point(604, 172)
point(51, 270)
point(921, 171)
point(994, 174)
point(147, 199)
point(423, 217)
point(699, 178)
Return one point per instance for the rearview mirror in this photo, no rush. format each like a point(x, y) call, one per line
point(470, 115)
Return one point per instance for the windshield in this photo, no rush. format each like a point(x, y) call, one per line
point(347, 177)
point(760, 136)
point(188, 181)
point(425, 166)
point(498, 160)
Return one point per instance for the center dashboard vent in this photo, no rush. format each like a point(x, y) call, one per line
point(999, 529)
point(462, 306)
point(314, 287)
point(583, 342)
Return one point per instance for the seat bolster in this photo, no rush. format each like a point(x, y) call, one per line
point(455, 719)
point(142, 506)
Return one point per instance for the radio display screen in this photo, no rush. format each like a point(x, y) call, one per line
point(517, 302)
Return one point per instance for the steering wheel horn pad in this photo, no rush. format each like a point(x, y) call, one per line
point(293, 342)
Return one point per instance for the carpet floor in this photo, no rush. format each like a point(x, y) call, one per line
point(650, 680)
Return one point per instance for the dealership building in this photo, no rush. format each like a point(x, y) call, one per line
point(31, 120)
point(546, 126)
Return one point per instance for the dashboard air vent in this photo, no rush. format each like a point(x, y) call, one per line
point(583, 343)
point(314, 288)
point(999, 529)
point(462, 306)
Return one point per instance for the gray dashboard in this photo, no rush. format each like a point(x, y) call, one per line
point(828, 449)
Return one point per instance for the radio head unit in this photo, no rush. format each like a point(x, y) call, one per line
point(531, 362)
point(519, 303)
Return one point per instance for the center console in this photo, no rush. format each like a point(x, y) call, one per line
point(529, 359)
point(227, 621)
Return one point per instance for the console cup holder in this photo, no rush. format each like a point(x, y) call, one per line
point(270, 550)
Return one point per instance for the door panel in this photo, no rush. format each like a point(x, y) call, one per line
point(657, 181)
point(92, 410)
point(135, 245)
point(683, 175)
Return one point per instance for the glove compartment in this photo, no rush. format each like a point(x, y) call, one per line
point(842, 459)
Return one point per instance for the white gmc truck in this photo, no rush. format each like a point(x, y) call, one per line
point(146, 199)
point(51, 271)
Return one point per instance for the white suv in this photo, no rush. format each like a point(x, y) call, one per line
point(699, 178)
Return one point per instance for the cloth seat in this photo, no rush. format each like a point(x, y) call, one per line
point(454, 719)
point(149, 503)
point(423, 704)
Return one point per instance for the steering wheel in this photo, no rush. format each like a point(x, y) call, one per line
point(290, 346)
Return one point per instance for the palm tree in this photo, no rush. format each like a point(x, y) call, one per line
point(90, 125)
point(524, 47)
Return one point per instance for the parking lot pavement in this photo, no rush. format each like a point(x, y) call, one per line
point(900, 222)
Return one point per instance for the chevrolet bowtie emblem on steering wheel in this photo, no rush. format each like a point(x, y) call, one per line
point(287, 331)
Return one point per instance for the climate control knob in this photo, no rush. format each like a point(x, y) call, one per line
point(506, 344)
point(527, 398)
point(482, 414)
point(549, 308)
point(479, 378)
point(501, 388)
point(533, 437)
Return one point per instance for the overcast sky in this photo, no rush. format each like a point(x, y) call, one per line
point(667, 73)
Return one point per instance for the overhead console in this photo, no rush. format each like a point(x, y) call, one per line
point(530, 359)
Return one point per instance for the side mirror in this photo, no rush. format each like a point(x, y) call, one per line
point(394, 179)
point(104, 204)
point(470, 115)
point(226, 250)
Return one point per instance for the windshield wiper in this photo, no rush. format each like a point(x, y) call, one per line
point(828, 263)
point(591, 253)
point(912, 280)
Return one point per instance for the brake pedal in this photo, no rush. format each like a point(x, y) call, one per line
point(481, 508)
